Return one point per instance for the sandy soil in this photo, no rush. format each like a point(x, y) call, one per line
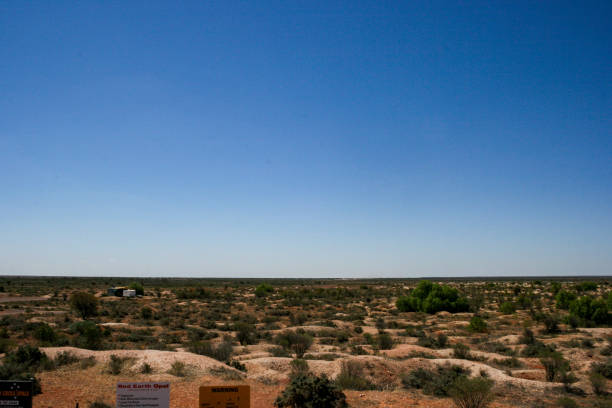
point(6, 299)
point(266, 375)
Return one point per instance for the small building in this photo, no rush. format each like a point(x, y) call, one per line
point(129, 292)
point(117, 291)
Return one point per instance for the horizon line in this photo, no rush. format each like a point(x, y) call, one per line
point(523, 277)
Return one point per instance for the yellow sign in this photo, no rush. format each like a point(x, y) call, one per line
point(225, 396)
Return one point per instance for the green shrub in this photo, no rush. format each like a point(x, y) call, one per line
point(85, 304)
point(146, 368)
point(564, 299)
point(437, 382)
point(461, 351)
point(115, 364)
point(554, 364)
point(146, 313)
point(573, 321)
point(568, 378)
point(297, 341)
point(507, 308)
point(384, 341)
point(351, 377)
point(222, 351)
point(497, 347)
point(22, 363)
point(263, 290)
point(298, 367)
point(29, 358)
point(477, 325)
point(604, 369)
point(89, 335)
point(566, 402)
point(598, 382)
point(198, 334)
point(298, 319)
point(527, 337)
point(6, 345)
point(537, 349)
point(590, 311)
point(551, 323)
point(88, 362)
point(99, 404)
point(237, 365)
point(358, 350)
point(245, 333)
point(194, 293)
point(471, 392)
point(322, 356)
point(279, 352)
point(555, 287)
point(511, 362)
point(65, 358)
point(45, 333)
point(137, 286)
point(309, 391)
point(431, 297)
point(438, 342)
point(586, 286)
point(177, 369)
point(525, 300)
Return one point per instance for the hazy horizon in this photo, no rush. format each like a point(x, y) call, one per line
point(326, 139)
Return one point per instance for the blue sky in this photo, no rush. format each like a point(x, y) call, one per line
point(303, 139)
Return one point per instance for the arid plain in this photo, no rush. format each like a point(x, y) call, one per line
point(383, 343)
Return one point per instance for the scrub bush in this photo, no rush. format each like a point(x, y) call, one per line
point(590, 311)
point(436, 382)
point(471, 392)
point(431, 297)
point(507, 308)
point(477, 325)
point(351, 377)
point(297, 341)
point(310, 391)
point(85, 304)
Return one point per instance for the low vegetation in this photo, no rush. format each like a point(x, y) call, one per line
point(431, 297)
point(310, 391)
point(379, 335)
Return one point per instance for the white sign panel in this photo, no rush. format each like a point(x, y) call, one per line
point(143, 395)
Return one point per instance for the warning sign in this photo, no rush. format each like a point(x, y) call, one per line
point(16, 394)
point(225, 396)
point(143, 395)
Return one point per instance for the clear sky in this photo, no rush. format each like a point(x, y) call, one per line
point(306, 139)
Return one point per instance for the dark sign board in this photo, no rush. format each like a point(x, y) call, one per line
point(16, 394)
point(225, 396)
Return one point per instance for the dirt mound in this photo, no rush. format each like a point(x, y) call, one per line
point(597, 331)
point(406, 350)
point(308, 328)
point(495, 374)
point(536, 375)
point(512, 339)
point(276, 369)
point(160, 361)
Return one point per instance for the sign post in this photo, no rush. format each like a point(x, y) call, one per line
point(225, 396)
point(16, 394)
point(143, 395)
